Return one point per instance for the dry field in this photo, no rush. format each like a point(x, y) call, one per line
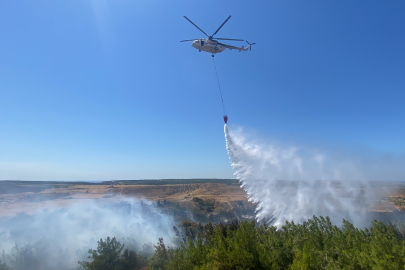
point(30, 198)
point(29, 201)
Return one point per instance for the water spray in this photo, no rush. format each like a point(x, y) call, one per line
point(291, 183)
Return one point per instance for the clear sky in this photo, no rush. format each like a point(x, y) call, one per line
point(99, 90)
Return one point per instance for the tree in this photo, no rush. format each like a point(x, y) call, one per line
point(109, 256)
point(129, 260)
point(3, 266)
point(158, 260)
point(29, 256)
point(314, 244)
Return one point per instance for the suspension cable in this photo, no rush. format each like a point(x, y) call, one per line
point(219, 86)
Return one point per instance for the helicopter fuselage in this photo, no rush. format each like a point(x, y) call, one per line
point(207, 45)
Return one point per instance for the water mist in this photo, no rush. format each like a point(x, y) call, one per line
point(295, 183)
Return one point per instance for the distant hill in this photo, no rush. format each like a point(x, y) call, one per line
point(170, 181)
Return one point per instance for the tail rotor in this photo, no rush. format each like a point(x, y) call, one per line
point(250, 44)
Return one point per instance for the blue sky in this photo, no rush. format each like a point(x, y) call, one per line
point(99, 90)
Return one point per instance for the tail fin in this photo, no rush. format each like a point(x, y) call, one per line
point(250, 45)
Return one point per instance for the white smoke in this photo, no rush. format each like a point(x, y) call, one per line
point(61, 237)
point(295, 183)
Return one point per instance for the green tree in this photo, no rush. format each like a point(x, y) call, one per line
point(314, 244)
point(384, 249)
point(109, 256)
point(158, 260)
point(105, 257)
point(129, 260)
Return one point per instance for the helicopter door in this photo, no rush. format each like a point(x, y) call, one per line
point(202, 42)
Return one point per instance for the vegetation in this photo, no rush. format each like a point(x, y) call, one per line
point(315, 244)
point(207, 206)
point(109, 256)
point(208, 210)
point(398, 201)
point(30, 255)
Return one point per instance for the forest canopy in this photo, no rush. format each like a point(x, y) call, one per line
point(314, 244)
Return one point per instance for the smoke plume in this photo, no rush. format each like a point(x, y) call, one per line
point(58, 238)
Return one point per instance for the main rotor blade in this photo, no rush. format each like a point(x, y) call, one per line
point(230, 39)
point(188, 40)
point(195, 25)
point(221, 25)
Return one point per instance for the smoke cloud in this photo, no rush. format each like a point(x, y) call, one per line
point(60, 237)
point(295, 183)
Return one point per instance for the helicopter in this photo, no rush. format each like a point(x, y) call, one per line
point(212, 45)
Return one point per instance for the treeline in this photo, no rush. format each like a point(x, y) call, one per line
point(315, 244)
